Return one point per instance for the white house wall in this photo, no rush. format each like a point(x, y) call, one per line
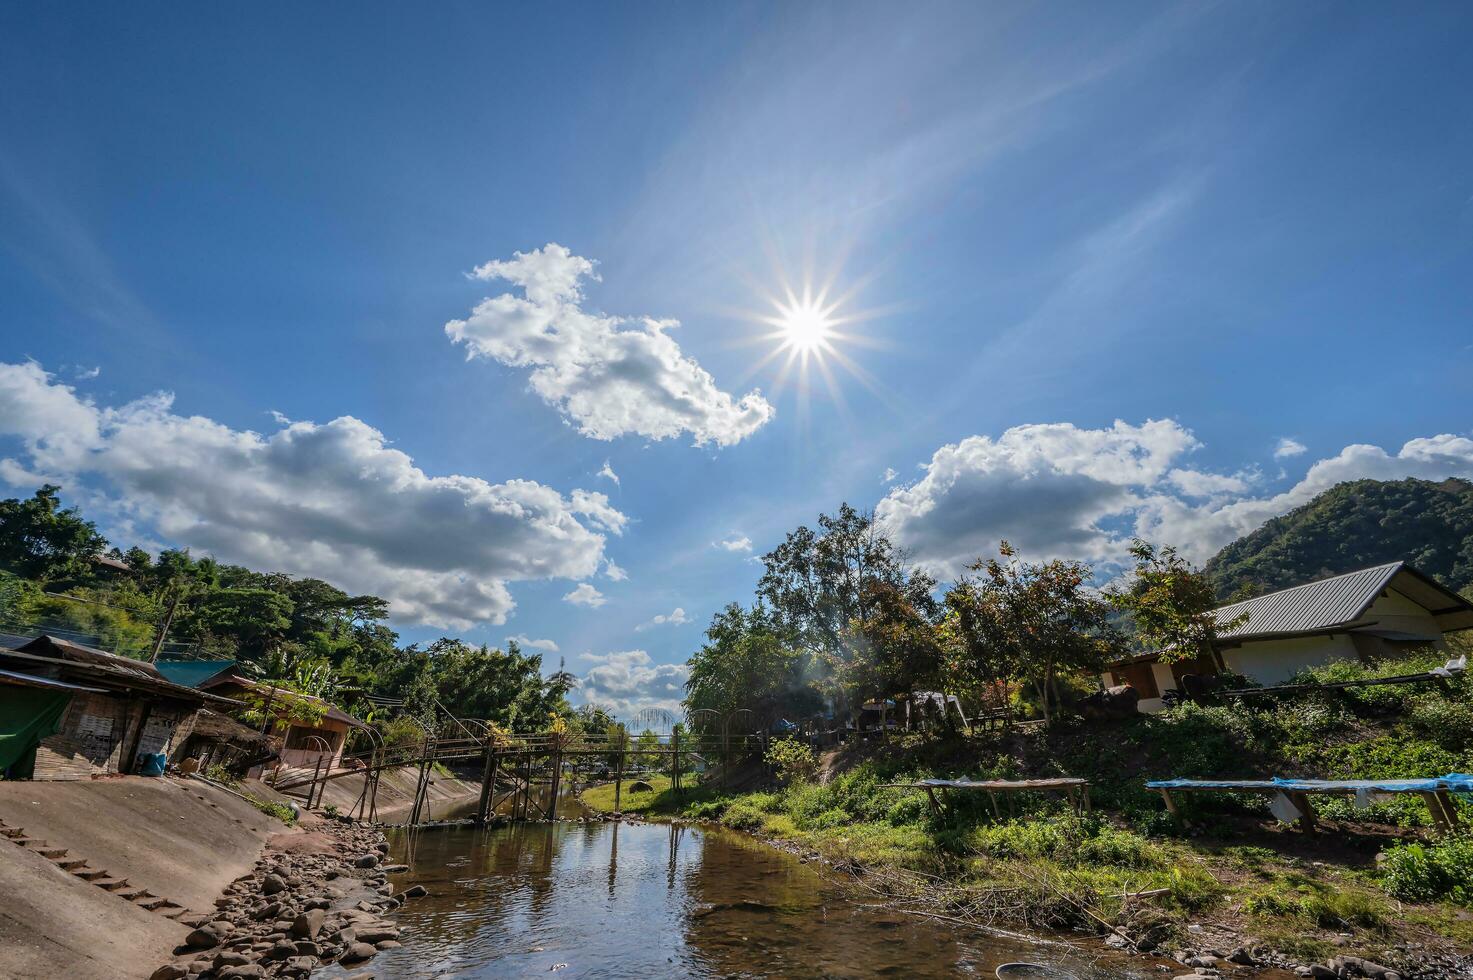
point(1275, 661)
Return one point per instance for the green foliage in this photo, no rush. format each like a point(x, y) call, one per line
point(795, 761)
point(45, 542)
point(744, 814)
point(1171, 605)
point(747, 663)
point(1356, 525)
point(1424, 872)
point(280, 811)
point(1193, 888)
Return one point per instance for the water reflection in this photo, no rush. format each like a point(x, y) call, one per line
point(637, 900)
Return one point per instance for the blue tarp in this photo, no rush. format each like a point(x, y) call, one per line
point(1455, 782)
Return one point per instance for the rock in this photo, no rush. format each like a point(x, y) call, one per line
point(223, 960)
point(246, 972)
point(377, 933)
point(308, 924)
point(1241, 957)
point(387, 944)
point(365, 861)
point(396, 869)
point(272, 884)
point(267, 911)
point(202, 938)
point(357, 953)
point(170, 971)
point(1318, 971)
point(1202, 960)
point(416, 891)
point(281, 950)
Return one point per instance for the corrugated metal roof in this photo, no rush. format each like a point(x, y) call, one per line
point(192, 673)
point(1315, 606)
point(31, 680)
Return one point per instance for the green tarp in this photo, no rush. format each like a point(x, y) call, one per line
point(27, 715)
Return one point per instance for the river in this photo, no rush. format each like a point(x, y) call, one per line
point(613, 900)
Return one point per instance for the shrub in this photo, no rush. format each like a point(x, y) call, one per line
point(742, 815)
point(830, 819)
point(1425, 872)
point(1193, 889)
point(1120, 848)
point(1341, 909)
point(794, 761)
point(708, 809)
point(907, 810)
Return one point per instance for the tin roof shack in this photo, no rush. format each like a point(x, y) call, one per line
point(1366, 615)
point(305, 743)
point(119, 711)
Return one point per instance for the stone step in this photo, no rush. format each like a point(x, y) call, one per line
point(111, 884)
point(150, 903)
point(131, 893)
point(69, 863)
point(30, 841)
point(52, 852)
point(89, 874)
point(12, 832)
point(171, 911)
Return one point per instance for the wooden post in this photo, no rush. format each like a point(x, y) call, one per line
point(1449, 809)
point(1171, 805)
point(488, 766)
point(1439, 814)
point(557, 782)
point(618, 779)
point(675, 770)
point(316, 774)
point(1306, 811)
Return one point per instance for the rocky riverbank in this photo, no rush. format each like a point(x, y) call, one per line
point(312, 899)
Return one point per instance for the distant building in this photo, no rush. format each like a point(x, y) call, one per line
point(69, 711)
point(1368, 615)
point(304, 744)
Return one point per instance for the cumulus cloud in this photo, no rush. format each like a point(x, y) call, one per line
point(586, 595)
point(608, 473)
point(1057, 490)
point(628, 681)
point(610, 376)
point(889, 475)
point(675, 618)
point(523, 640)
point(738, 543)
point(330, 500)
point(1289, 447)
point(613, 572)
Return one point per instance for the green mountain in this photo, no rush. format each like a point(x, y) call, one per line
point(1351, 526)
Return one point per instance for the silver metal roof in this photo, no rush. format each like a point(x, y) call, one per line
point(1315, 606)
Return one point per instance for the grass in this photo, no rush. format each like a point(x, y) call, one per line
point(1300, 895)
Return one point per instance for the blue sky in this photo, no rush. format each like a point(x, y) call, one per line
point(1223, 225)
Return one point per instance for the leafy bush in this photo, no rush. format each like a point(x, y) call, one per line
point(743, 815)
point(830, 819)
point(1425, 872)
point(907, 810)
point(1120, 848)
point(280, 811)
point(708, 809)
point(794, 761)
point(1193, 889)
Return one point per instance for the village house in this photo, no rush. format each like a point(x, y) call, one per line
point(305, 744)
point(69, 711)
point(1366, 615)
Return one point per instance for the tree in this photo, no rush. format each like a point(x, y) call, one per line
point(41, 540)
point(973, 635)
point(896, 647)
point(1172, 605)
point(818, 584)
point(747, 664)
point(1047, 619)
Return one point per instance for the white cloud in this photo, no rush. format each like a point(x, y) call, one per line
point(86, 374)
point(608, 473)
point(737, 543)
point(330, 500)
point(628, 681)
point(611, 376)
point(522, 639)
point(586, 595)
point(613, 572)
point(1289, 447)
point(1061, 491)
point(889, 475)
point(675, 618)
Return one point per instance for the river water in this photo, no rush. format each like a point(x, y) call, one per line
point(613, 900)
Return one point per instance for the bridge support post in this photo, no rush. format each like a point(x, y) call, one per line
point(618, 779)
point(675, 760)
point(488, 783)
point(557, 783)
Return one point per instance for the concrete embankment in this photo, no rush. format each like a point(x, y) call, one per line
point(132, 844)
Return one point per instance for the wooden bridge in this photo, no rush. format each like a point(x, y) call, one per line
point(512, 765)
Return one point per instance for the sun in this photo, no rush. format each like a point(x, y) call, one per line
point(807, 327)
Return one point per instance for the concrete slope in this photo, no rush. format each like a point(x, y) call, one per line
point(395, 793)
point(55, 925)
point(183, 840)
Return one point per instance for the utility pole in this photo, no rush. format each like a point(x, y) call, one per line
point(158, 642)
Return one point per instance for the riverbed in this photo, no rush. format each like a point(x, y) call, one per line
point(636, 900)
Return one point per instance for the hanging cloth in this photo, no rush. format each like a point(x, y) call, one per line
point(27, 715)
point(1283, 808)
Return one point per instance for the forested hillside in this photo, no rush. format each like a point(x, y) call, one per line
point(1353, 525)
